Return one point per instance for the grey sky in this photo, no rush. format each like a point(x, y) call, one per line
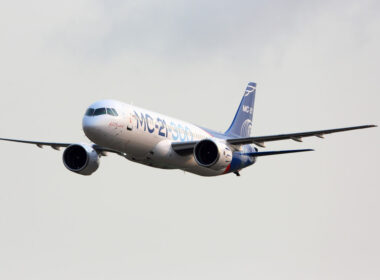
point(303, 216)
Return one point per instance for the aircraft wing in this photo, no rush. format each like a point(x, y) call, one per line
point(260, 140)
point(186, 148)
point(54, 145)
point(57, 146)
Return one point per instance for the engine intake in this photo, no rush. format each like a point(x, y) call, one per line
point(215, 155)
point(81, 159)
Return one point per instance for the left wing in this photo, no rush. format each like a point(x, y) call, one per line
point(260, 140)
point(57, 146)
point(186, 148)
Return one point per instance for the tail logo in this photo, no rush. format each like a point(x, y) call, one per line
point(250, 89)
point(246, 128)
point(247, 109)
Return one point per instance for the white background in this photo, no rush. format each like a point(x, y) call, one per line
point(303, 216)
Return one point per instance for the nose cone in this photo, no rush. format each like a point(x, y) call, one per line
point(92, 127)
point(97, 118)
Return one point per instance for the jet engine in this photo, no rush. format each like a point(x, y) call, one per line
point(81, 159)
point(212, 154)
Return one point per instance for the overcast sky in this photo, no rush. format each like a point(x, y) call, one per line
point(303, 216)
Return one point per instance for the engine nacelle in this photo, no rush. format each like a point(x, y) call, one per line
point(212, 154)
point(81, 159)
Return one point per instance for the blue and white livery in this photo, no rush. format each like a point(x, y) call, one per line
point(160, 141)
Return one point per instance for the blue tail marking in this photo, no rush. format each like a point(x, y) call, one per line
point(242, 124)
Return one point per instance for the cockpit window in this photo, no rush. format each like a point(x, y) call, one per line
point(114, 112)
point(90, 112)
point(110, 112)
point(100, 111)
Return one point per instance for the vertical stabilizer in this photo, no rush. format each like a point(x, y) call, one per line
point(242, 124)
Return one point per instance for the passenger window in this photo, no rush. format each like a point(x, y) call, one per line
point(110, 112)
point(100, 111)
point(90, 112)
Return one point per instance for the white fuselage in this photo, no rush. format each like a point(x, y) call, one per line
point(145, 136)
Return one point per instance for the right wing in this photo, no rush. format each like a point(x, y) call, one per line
point(39, 144)
point(57, 145)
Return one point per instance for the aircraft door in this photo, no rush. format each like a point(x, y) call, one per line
point(130, 122)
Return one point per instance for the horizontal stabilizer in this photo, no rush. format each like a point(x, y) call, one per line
point(269, 153)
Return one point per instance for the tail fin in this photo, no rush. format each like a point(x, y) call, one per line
point(242, 124)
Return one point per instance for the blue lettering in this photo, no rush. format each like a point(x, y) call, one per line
point(182, 133)
point(140, 121)
point(189, 133)
point(160, 131)
point(174, 129)
point(147, 118)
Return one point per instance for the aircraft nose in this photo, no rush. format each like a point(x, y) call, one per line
point(91, 126)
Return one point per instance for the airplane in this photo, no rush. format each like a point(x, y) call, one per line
point(160, 141)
